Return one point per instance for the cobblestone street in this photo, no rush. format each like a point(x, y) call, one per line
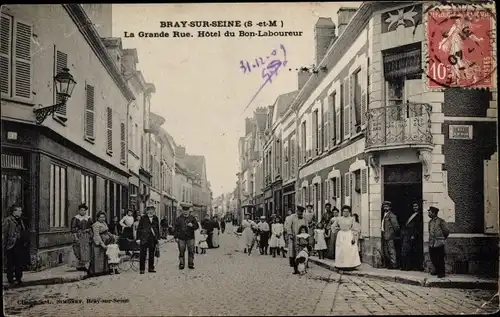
point(228, 282)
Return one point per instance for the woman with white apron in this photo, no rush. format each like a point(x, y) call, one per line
point(346, 247)
point(248, 234)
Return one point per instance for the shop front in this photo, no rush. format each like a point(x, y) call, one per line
point(278, 198)
point(288, 197)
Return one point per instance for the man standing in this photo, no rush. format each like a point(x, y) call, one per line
point(438, 233)
point(390, 232)
point(185, 226)
point(164, 227)
point(207, 224)
point(296, 221)
point(148, 233)
point(411, 235)
point(286, 225)
point(264, 232)
point(15, 244)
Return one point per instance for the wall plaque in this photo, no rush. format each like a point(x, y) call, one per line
point(460, 132)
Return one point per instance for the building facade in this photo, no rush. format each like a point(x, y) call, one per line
point(79, 154)
point(167, 167)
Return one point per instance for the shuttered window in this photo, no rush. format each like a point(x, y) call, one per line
point(123, 144)
point(15, 58)
point(89, 113)
point(364, 92)
point(347, 189)
point(347, 108)
point(109, 130)
point(364, 181)
point(61, 62)
point(332, 134)
point(340, 115)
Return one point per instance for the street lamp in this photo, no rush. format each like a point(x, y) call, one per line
point(64, 84)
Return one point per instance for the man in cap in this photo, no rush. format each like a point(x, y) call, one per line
point(148, 234)
point(264, 231)
point(185, 227)
point(390, 232)
point(296, 221)
point(411, 236)
point(438, 233)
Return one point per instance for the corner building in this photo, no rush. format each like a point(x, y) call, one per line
point(370, 130)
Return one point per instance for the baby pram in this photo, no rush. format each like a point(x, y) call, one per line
point(132, 250)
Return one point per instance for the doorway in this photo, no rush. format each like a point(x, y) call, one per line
point(403, 187)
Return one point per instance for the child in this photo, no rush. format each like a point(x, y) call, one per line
point(319, 238)
point(303, 245)
point(113, 253)
point(202, 243)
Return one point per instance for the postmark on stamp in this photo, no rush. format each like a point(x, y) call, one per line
point(461, 46)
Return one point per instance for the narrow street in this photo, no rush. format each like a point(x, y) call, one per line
point(228, 282)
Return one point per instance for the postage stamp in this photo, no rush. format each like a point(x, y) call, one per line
point(461, 43)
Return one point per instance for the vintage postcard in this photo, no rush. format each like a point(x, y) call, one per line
point(264, 159)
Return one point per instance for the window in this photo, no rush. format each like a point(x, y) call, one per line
point(58, 197)
point(61, 62)
point(347, 109)
point(315, 147)
point(303, 141)
point(109, 130)
point(15, 58)
point(357, 99)
point(292, 157)
point(89, 113)
point(87, 193)
point(332, 119)
point(123, 144)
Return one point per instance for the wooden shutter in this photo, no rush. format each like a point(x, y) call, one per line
point(347, 108)
point(364, 93)
point(338, 115)
point(347, 189)
point(61, 62)
point(5, 54)
point(109, 129)
point(314, 134)
point(331, 121)
point(352, 103)
point(90, 113)
point(364, 181)
point(320, 128)
point(326, 124)
point(123, 145)
point(309, 128)
point(22, 60)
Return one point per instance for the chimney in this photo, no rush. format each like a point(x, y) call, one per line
point(129, 60)
point(115, 49)
point(344, 16)
point(324, 34)
point(180, 152)
point(303, 76)
point(248, 126)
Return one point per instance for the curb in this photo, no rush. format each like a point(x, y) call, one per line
point(425, 282)
point(47, 281)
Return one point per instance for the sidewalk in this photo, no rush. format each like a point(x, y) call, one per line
point(60, 274)
point(415, 278)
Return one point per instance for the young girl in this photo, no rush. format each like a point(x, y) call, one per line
point(303, 249)
point(202, 243)
point(320, 242)
point(113, 253)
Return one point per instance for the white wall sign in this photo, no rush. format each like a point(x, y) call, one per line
point(460, 132)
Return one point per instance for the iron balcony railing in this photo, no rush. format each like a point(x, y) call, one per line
point(399, 124)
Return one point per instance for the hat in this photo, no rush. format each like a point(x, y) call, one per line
point(328, 204)
point(150, 207)
point(309, 205)
point(434, 209)
point(184, 207)
point(300, 208)
point(263, 217)
point(387, 203)
point(84, 206)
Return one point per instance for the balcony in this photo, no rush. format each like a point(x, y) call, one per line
point(400, 125)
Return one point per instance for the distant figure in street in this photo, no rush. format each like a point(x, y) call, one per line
point(319, 241)
point(277, 242)
point(215, 232)
point(184, 229)
point(126, 224)
point(202, 242)
point(411, 236)
point(297, 220)
point(346, 248)
point(197, 236)
point(390, 232)
point(101, 239)
point(135, 225)
point(148, 235)
point(164, 227)
point(223, 225)
point(264, 232)
point(15, 241)
point(248, 233)
point(438, 233)
point(81, 228)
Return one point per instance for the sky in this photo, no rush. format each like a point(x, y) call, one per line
point(201, 90)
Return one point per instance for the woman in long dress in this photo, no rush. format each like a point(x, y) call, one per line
point(248, 234)
point(332, 234)
point(81, 228)
point(126, 223)
point(215, 235)
point(277, 242)
point(101, 238)
point(346, 248)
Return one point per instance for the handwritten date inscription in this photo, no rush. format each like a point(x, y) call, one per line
point(268, 67)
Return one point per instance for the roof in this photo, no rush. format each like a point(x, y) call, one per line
point(166, 137)
point(282, 103)
point(322, 21)
point(195, 163)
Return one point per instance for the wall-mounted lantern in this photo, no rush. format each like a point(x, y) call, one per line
point(64, 84)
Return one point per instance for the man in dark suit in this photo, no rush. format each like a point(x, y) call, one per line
point(411, 236)
point(390, 232)
point(15, 244)
point(148, 233)
point(185, 226)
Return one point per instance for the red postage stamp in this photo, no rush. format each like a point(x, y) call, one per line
point(460, 47)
